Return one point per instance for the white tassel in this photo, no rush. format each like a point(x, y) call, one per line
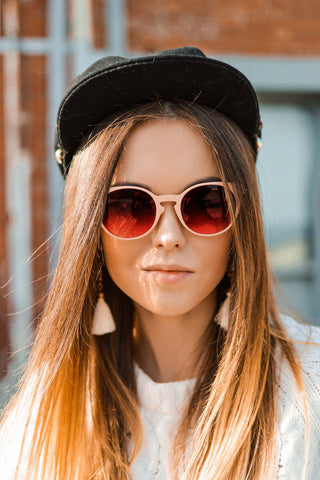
point(103, 321)
point(222, 317)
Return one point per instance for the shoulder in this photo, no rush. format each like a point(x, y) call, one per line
point(293, 417)
point(300, 332)
point(305, 340)
point(306, 343)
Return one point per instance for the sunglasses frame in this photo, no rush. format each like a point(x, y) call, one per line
point(176, 200)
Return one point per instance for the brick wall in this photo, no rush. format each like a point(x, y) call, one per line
point(25, 19)
point(247, 27)
point(33, 23)
point(33, 139)
point(32, 18)
point(98, 24)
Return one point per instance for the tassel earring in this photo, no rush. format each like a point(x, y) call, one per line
point(222, 317)
point(103, 321)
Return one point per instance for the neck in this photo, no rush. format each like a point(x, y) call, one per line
point(167, 347)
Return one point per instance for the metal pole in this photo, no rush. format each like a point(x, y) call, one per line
point(56, 86)
point(116, 22)
point(81, 40)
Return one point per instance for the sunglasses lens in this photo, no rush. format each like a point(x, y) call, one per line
point(129, 213)
point(204, 209)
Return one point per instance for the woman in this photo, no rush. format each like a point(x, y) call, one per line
point(161, 353)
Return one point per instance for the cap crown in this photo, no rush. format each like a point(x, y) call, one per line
point(115, 84)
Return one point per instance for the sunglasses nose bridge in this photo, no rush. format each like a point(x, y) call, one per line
point(162, 204)
point(168, 199)
point(161, 200)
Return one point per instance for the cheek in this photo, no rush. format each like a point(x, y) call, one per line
point(215, 256)
point(120, 257)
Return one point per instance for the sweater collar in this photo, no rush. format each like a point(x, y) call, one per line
point(167, 397)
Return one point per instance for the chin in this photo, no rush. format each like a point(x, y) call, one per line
point(177, 311)
point(176, 308)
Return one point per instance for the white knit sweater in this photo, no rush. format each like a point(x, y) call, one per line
point(162, 403)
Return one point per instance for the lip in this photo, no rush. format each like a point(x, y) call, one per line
point(167, 273)
point(170, 268)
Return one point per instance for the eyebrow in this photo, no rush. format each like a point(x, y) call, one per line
point(204, 180)
point(142, 185)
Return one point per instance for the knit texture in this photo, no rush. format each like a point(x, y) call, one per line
point(161, 405)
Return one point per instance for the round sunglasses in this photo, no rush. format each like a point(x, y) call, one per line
point(132, 212)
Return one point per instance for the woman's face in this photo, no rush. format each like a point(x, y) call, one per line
point(166, 157)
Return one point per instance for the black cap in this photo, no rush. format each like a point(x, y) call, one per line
point(115, 83)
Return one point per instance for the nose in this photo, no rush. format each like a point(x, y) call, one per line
point(169, 232)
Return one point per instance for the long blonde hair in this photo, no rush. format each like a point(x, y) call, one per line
point(77, 409)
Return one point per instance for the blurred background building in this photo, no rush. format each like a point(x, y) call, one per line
point(44, 43)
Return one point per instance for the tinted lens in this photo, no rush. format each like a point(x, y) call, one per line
point(129, 213)
point(204, 209)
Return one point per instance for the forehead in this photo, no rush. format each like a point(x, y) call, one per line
point(165, 156)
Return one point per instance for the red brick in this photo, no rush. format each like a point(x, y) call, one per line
point(98, 24)
point(34, 95)
point(248, 27)
point(33, 15)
